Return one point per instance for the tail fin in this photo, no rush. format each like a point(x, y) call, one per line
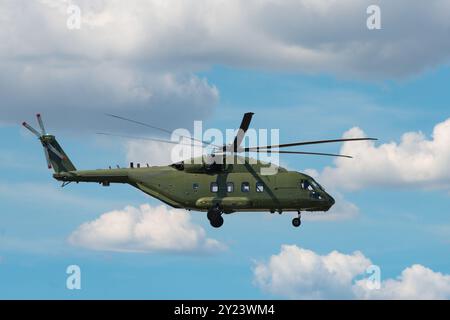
point(54, 154)
point(57, 158)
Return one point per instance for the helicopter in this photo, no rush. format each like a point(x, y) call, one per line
point(233, 184)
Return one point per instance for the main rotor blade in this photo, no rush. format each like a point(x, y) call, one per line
point(142, 138)
point(53, 149)
point(41, 124)
point(304, 143)
point(34, 131)
point(245, 124)
point(47, 157)
point(157, 128)
point(305, 153)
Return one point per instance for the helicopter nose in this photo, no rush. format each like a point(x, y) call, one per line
point(331, 200)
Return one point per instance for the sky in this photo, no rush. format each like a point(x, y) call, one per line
point(311, 69)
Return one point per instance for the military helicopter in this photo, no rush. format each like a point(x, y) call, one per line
point(233, 184)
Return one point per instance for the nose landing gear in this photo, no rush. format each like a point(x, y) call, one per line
point(296, 222)
point(215, 217)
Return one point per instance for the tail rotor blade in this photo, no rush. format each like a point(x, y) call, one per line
point(53, 149)
point(34, 131)
point(47, 157)
point(41, 124)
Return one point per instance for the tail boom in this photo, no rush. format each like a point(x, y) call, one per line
point(103, 176)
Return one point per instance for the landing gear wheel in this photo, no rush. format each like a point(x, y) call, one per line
point(296, 222)
point(215, 216)
point(216, 222)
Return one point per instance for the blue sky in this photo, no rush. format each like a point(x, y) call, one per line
point(399, 222)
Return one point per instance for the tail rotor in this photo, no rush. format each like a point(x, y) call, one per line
point(51, 147)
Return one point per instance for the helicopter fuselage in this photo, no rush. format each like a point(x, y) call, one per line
point(230, 187)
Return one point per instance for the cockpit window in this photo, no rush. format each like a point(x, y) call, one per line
point(306, 185)
point(310, 185)
point(313, 187)
point(316, 185)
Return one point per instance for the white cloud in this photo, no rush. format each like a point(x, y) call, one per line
point(415, 282)
point(144, 229)
point(306, 35)
point(81, 74)
point(298, 273)
point(140, 57)
point(302, 274)
point(416, 162)
point(84, 91)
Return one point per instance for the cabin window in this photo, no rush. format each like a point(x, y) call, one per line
point(259, 187)
point(230, 187)
point(245, 187)
point(214, 187)
point(195, 186)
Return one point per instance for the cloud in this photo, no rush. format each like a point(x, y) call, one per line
point(297, 273)
point(331, 36)
point(75, 76)
point(416, 162)
point(141, 58)
point(76, 96)
point(144, 229)
point(415, 282)
point(305, 36)
point(302, 274)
